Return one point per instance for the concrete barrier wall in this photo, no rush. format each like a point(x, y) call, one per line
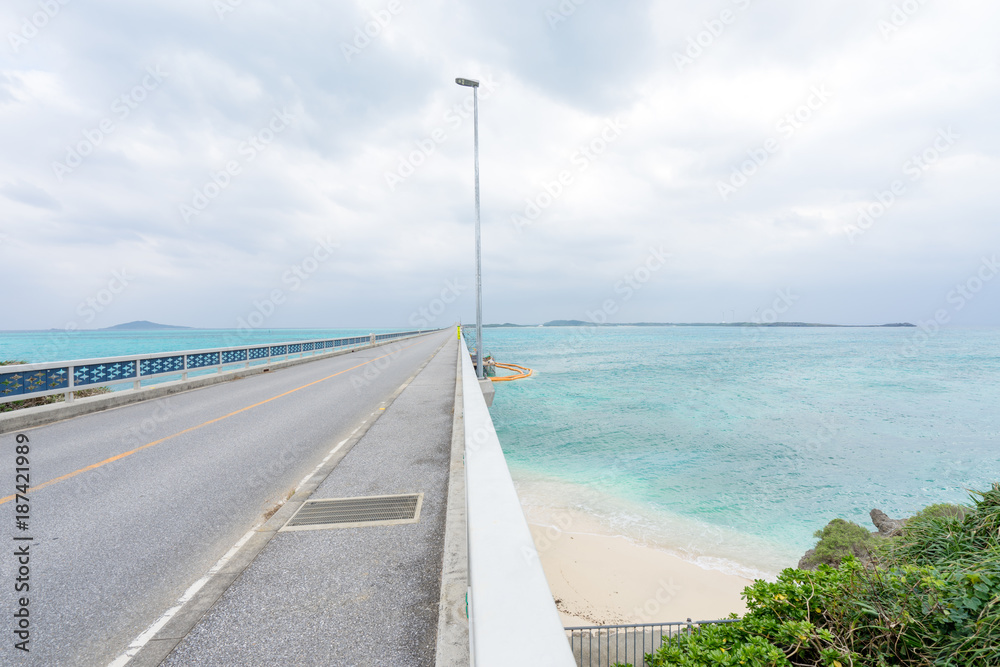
point(512, 617)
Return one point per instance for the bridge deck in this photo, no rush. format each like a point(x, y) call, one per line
point(350, 596)
point(132, 507)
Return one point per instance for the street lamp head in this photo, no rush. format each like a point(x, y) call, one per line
point(471, 83)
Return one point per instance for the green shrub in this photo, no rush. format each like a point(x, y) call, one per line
point(840, 539)
point(930, 598)
point(940, 511)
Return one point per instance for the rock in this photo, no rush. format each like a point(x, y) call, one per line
point(859, 548)
point(887, 527)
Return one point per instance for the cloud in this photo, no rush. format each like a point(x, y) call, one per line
point(388, 105)
point(26, 193)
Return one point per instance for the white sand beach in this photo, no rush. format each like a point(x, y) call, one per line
point(599, 579)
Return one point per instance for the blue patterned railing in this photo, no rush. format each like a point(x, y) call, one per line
point(21, 381)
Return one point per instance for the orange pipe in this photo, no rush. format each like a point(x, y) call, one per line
point(522, 372)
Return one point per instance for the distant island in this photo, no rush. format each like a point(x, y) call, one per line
point(141, 325)
point(581, 323)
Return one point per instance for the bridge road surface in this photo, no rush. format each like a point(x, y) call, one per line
point(116, 546)
point(362, 596)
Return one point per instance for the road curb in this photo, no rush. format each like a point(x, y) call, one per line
point(453, 622)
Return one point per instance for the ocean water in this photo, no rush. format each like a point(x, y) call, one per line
point(731, 446)
point(60, 345)
point(726, 446)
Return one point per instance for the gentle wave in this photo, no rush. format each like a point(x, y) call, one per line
point(579, 509)
point(731, 448)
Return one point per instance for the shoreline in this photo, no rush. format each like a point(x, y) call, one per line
point(599, 579)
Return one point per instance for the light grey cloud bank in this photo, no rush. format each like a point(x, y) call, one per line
point(846, 153)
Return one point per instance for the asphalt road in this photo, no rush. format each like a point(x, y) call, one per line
point(116, 546)
point(351, 597)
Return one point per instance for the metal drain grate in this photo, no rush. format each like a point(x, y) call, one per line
point(353, 512)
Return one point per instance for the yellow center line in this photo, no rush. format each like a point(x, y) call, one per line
point(195, 428)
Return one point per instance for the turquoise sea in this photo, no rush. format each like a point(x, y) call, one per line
point(61, 345)
point(727, 446)
point(732, 446)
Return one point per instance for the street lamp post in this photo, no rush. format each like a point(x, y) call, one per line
point(479, 273)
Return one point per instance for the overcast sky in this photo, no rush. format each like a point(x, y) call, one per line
point(195, 161)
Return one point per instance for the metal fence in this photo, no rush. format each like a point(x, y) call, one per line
point(22, 381)
point(606, 645)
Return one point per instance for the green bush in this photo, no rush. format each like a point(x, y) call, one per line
point(840, 539)
point(940, 511)
point(930, 598)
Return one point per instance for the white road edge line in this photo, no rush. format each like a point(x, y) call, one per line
point(151, 631)
point(316, 469)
